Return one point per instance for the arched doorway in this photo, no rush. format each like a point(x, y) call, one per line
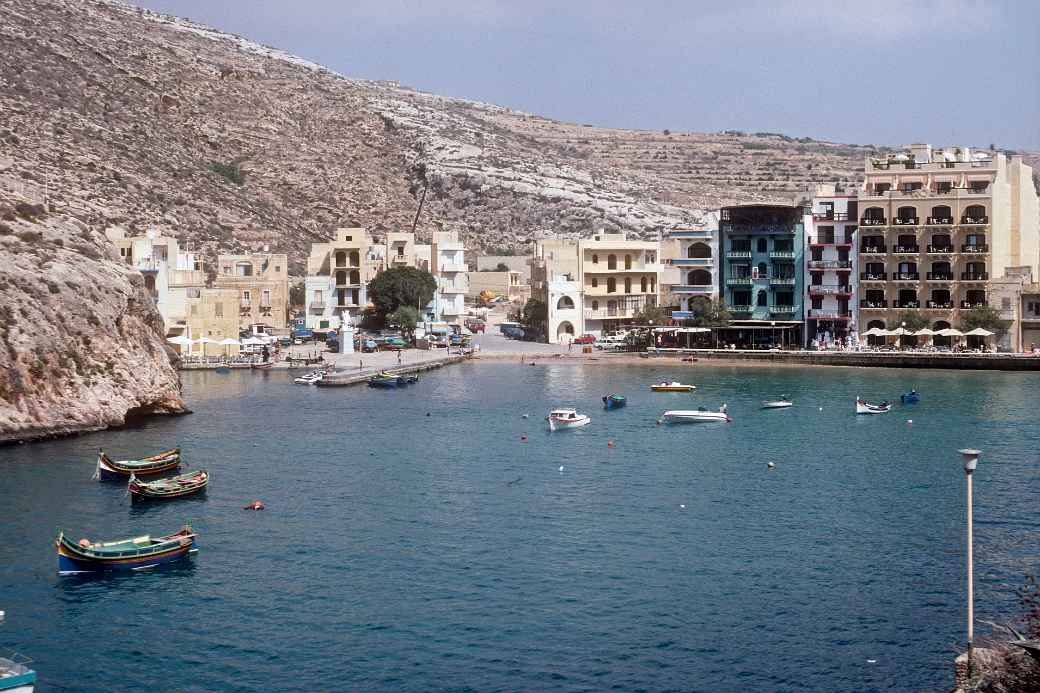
point(565, 332)
point(874, 340)
point(565, 303)
point(699, 250)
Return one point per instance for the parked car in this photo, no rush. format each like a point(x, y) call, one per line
point(585, 339)
point(367, 346)
point(392, 344)
point(513, 332)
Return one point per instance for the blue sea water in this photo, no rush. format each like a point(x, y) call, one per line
point(414, 541)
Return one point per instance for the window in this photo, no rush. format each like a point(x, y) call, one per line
point(244, 269)
point(628, 262)
point(642, 285)
point(245, 296)
point(595, 259)
point(628, 285)
point(1005, 303)
point(612, 262)
point(595, 305)
point(400, 251)
point(265, 298)
point(762, 298)
point(565, 303)
point(194, 293)
point(817, 302)
point(762, 245)
point(197, 264)
point(324, 324)
point(817, 254)
point(611, 285)
point(595, 282)
point(218, 309)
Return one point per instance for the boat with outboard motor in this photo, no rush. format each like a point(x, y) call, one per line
point(388, 380)
point(15, 674)
point(137, 553)
point(865, 407)
point(613, 401)
point(170, 487)
point(563, 419)
point(699, 415)
point(672, 386)
point(310, 378)
point(911, 397)
point(781, 402)
point(108, 469)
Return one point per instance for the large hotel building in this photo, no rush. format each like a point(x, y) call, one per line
point(936, 227)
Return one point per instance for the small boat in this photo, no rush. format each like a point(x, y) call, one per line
point(780, 403)
point(222, 370)
point(171, 487)
point(865, 407)
point(613, 401)
point(165, 461)
point(137, 553)
point(309, 378)
point(263, 366)
point(910, 397)
point(699, 415)
point(672, 387)
point(388, 380)
point(562, 419)
point(15, 674)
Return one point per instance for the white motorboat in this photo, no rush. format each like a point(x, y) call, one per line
point(309, 378)
point(782, 403)
point(560, 419)
point(700, 415)
point(865, 407)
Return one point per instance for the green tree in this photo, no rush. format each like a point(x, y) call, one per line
point(655, 315)
point(297, 295)
point(533, 315)
point(708, 313)
point(501, 267)
point(912, 321)
point(405, 317)
point(401, 286)
point(986, 317)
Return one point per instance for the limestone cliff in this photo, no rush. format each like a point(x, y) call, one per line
point(81, 340)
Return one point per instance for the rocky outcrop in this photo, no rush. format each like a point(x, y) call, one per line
point(81, 340)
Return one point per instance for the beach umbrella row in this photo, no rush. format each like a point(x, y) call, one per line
point(948, 332)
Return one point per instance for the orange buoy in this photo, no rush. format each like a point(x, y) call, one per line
point(523, 438)
point(255, 505)
point(610, 443)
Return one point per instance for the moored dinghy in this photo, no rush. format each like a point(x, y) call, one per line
point(911, 397)
point(15, 674)
point(137, 553)
point(171, 487)
point(563, 419)
point(672, 386)
point(107, 468)
point(782, 402)
point(865, 407)
point(613, 401)
point(700, 415)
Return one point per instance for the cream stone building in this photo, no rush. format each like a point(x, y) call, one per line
point(937, 227)
point(262, 282)
point(338, 273)
point(689, 269)
point(448, 266)
point(509, 284)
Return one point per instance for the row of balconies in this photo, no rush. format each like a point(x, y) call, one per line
point(930, 276)
point(914, 221)
point(975, 249)
point(774, 309)
point(773, 281)
point(746, 254)
point(830, 290)
point(916, 305)
point(827, 314)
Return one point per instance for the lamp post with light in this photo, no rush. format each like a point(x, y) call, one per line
point(971, 461)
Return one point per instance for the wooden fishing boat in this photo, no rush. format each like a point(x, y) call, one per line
point(672, 387)
point(613, 401)
point(388, 380)
point(263, 366)
point(107, 468)
point(865, 407)
point(911, 397)
point(171, 487)
point(137, 553)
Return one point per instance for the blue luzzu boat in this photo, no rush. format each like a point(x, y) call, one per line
point(137, 553)
point(613, 401)
point(15, 674)
point(910, 397)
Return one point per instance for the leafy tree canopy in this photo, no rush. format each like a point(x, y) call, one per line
point(401, 286)
point(652, 315)
point(708, 313)
point(405, 317)
point(986, 317)
point(912, 321)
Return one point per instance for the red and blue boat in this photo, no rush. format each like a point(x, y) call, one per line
point(137, 553)
point(164, 461)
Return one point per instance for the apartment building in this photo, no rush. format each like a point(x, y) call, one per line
point(689, 259)
point(400, 249)
point(762, 277)
point(937, 226)
point(509, 284)
point(554, 282)
point(1029, 324)
point(830, 317)
point(338, 273)
point(262, 282)
point(448, 266)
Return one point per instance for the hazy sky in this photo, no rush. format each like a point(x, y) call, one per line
point(875, 71)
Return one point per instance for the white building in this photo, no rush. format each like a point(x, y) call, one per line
point(337, 279)
point(448, 266)
point(689, 271)
point(830, 315)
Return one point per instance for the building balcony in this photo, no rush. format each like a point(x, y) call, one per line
point(781, 310)
point(906, 249)
point(451, 267)
point(873, 276)
point(975, 249)
point(739, 281)
point(693, 288)
point(781, 254)
point(741, 310)
point(974, 221)
point(245, 303)
point(939, 305)
point(906, 276)
point(782, 281)
point(832, 217)
point(830, 265)
point(873, 250)
point(400, 260)
point(906, 221)
point(824, 314)
point(873, 305)
point(346, 303)
point(969, 305)
point(691, 262)
point(705, 234)
point(939, 276)
point(939, 221)
point(738, 255)
point(974, 276)
point(348, 285)
point(942, 249)
point(317, 305)
point(607, 314)
point(873, 222)
point(906, 305)
point(829, 290)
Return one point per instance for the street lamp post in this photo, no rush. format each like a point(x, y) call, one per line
point(971, 461)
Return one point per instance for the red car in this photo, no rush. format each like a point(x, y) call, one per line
point(585, 339)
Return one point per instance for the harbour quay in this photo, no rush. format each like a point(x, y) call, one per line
point(870, 359)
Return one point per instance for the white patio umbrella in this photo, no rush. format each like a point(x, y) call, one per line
point(252, 341)
point(950, 332)
point(901, 157)
point(898, 332)
point(181, 341)
point(979, 332)
point(203, 341)
point(228, 343)
point(925, 332)
point(875, 332)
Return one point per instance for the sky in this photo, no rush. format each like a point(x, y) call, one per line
point(890, 72)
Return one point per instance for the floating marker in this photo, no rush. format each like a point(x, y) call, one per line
point(427, 413)
point(871, 661)
point(910, 421)
point(682, 506)
point(770, 465)
point(561, 468)
point(610, 443)
point(821, 408)
point(523, 438)
point(525, 416)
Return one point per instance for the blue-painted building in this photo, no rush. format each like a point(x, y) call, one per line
point(762, 275)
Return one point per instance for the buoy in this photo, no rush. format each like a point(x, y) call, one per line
point(910, 421)
point(871, 661)
point(523, 437)
point(682, 506)
point(771, 465)
point(525, 416)
point(561, 467)
point(427, 413)
point(255, 505)
point(610, 443)
point(821, 408)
